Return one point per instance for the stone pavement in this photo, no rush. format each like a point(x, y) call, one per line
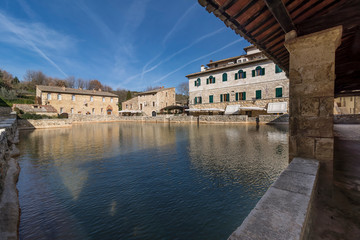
point(339, 217)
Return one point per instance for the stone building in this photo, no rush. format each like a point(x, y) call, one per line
point(250, 81)
point(150, 102)
point(347, 105)
point(78, 101)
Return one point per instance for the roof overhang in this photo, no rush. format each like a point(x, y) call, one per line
point(265, 23)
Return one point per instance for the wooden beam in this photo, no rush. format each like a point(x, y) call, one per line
point(346, 15)
point(280, 13)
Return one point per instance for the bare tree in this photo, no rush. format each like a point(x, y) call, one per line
point(183, 88)
point(70, 82)
point(149, 88)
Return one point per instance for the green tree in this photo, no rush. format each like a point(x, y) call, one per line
point(128, 96)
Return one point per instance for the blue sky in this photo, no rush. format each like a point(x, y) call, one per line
point(129, 44)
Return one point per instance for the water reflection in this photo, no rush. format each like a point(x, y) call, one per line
point(145, 181)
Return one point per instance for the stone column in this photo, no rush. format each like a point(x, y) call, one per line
point(312, 80)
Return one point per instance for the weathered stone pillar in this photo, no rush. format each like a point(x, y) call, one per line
point(312, 80)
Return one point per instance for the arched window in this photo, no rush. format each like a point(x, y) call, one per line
point(277, 69)
point(197, 82)
point(210, 80)
point(258, 71)
point(224, 77)
point(241, 74)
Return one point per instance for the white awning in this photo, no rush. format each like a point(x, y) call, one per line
point(130, 111)
point(278, 107)
point(253, 108)
point(232, 109)
point(204, 110)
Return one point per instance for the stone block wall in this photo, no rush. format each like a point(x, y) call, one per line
point(285, 210)
point(9, 172)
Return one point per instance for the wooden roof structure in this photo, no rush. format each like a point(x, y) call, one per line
point(264, 23)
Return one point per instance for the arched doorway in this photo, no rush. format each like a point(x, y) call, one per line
point(153, 113)
point(109, 110)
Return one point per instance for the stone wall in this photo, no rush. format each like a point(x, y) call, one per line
point(223, 118)
point(285, 210)
point(347, 119)
point(43, 123)
point(5, 110)
point(9, 172)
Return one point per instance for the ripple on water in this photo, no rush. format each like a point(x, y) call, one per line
point(145, 181)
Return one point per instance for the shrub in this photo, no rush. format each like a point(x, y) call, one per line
point(63, 115)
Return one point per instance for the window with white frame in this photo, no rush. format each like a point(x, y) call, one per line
point(73, 97)
point(103, 99)
point(59, 96)
point(49, 96)
point(111, 100)
point(91, 98)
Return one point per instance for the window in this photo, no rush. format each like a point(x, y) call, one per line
point(224, 77)
point(258, 71)
point(59, 96)
point(73, 97)
point(91, 98)
point(210, 80)
point(258, 94)
point(153, 104)
point(103, 99)
point(126, 106)
point(197, 100)
point(102, 110)
point(111, 100)
point(166, 94)
point(49, 96)
point(225, 97)
point(93, 111)
point(211, 98)
point(240, 96)
point(197, 82)
point(61, 110)
point(72, 110)
point(277, 69)
point(240, 74)
point(278, 92)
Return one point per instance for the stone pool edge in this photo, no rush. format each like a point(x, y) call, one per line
point(284, 212)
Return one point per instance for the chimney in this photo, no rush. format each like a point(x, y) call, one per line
point(100, 90)
point(211, 61)
point(202, 68)
point(63, 88)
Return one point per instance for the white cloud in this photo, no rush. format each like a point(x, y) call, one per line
point(34, 36)
point(197, 59)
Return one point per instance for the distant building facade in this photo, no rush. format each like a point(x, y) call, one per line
point(250, 80)
point(347, 105)
point(78, 101)
point(150, 102)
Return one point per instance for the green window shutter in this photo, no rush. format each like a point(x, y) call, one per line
point(195, 100)
point(211, 99)
point(278, 92)
point(244, 96)
point(244, 74)
point(195, 83)
point(199, 82)
point(253, 73)
point(214, 79)
point(228, 97)
point(200, 100)
point(224, 77)
point(263, 71)
point(236, 96)
point(221, 97)
point(236, 76)
point(207, 81)
point(277, 69)
point(258, 94)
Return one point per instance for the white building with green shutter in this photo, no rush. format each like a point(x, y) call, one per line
point(251, 81)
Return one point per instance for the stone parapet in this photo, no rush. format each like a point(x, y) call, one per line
point(9, 172)
point(284, 212)
point(347, 119)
